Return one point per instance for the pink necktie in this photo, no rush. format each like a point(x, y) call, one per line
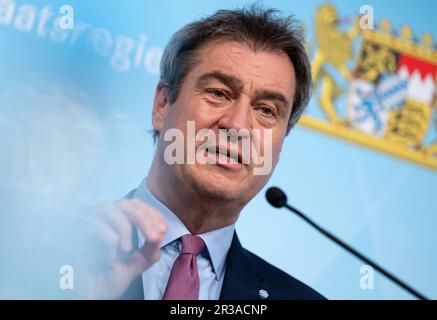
point(184, 283)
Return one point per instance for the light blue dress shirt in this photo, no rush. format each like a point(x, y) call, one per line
point(211, 264)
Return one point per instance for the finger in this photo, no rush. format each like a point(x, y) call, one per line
point(156, 219)
point(155, 213)
point(150, 221)
point(151, 247)
point(153, 228)
point(120, 223)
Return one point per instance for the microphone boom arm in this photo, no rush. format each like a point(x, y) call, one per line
point(358, 254)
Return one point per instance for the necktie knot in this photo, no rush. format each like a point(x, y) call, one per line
point(184, 283)
point(192, 244)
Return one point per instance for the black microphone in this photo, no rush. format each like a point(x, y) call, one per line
point(277, 198)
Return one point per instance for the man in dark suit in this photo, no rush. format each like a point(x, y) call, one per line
point(232, 86)
point(247, 277)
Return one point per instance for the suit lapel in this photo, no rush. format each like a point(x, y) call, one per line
point(240, 282)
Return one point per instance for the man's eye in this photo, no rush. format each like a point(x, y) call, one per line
point(218, 93)
point(267, 111)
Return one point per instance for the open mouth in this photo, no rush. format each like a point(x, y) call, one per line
point(225, 155)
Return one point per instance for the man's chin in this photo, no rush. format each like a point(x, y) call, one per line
point(220, 182)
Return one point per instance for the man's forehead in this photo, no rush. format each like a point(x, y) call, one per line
point(224, 46)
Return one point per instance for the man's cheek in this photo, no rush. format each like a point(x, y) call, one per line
point(264, 153)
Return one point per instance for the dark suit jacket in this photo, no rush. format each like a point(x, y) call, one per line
point(246, 274)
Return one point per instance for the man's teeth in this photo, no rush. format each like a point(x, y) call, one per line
point(227, 154)
point(230, 156)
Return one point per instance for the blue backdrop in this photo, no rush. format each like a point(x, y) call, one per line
point(75, 111)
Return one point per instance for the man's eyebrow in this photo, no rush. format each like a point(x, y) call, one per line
point(228, 80)
point(236, 84)
point(272, 95)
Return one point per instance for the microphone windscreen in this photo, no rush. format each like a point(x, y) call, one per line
point(276, 197)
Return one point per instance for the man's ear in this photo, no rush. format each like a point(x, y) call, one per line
point(160, 107)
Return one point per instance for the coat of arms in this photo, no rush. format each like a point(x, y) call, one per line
point(389, 100)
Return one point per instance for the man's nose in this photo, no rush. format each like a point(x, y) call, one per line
point(238, 116)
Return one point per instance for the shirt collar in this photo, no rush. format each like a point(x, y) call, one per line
point(217, 241)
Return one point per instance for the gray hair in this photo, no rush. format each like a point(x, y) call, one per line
point(261, 29)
